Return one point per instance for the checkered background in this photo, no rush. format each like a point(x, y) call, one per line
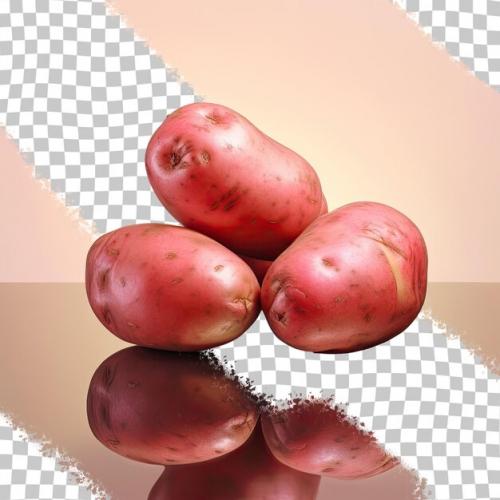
point(468, 29)
point(25, 473)
point(82, 112)
point(426, 397)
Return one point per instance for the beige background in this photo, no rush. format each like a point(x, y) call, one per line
point(358, 90)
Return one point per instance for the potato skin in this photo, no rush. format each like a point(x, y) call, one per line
point(354, 278)
point(324, 205)
point(218, 174)
point(167, 408)
point(249, 473)
point(258, 266)
point(261, 266)
point(318, 439)
point(170, 288)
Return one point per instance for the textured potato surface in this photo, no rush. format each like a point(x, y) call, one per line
point(354, 278)
point(170, 288)
point(318, 439)
point(249, 473)
point(168, 408)
point(217, 173)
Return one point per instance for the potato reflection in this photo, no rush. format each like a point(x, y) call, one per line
point(168, 408)
point(314, 437)
point(249, 473)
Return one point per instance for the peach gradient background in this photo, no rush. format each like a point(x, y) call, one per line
point(358, 90)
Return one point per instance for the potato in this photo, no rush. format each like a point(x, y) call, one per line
point(261, 266)
point(258, 266)
point(249, 473)
point(324, 206)
point(313, 437)
point(169, 287)
point(168, 408)
point(354, 278)
point(218, 174)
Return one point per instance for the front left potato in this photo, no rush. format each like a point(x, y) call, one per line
point(170, 288)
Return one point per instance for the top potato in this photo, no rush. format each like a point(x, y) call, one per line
point(217, 173)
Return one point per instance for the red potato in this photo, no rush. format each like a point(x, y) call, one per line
point(258, 266)
point(261, 266)
point(354, 278)
point(315, 438)
point(324, 205)
point(218, 174)
point(249, 473)
point(170, 288)
point(168, 408)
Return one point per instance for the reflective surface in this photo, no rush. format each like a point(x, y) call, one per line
point(51, 347)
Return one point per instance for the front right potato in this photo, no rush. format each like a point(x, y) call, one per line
point(353, 279)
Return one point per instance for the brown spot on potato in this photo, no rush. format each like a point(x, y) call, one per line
point(112, 252)
point(102, 279)
point(219, 452)
point(339, 299)
point(363, 334)
point(230, 204)
point(367, 317)
point(108, 376)
point(228, 199)
point(132, 384)
point(113, 442)
point(170, 255)
point(204, 157)
point(246, 303)
point(174, 159)
point(218, 268)
point(327, 262)
point(170, 461)
point(107, 316)
point(281, 317)
point(132, 325)
point(213, 118)
point(123, 282)
point(176, 281)
point(153, 228)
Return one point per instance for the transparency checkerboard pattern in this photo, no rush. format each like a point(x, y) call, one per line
point(426, 397)
point(81, 95)
point(468, 29)
point(25, 473)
